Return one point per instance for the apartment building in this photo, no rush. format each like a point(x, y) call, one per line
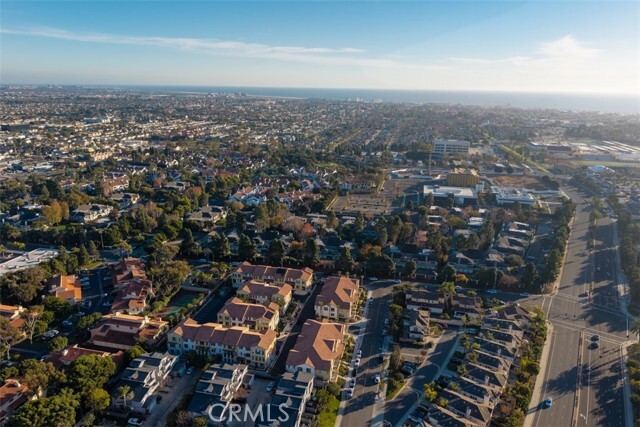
point(338, 298)
point(216, 389)
point(257, 317)
point(235, 344)
point(263, 293)
point(318, 349)
point(299, 279)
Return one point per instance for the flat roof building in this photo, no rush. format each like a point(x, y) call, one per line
point(461, 195)
point(510, 195)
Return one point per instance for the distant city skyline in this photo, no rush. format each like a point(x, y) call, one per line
point(512, 46)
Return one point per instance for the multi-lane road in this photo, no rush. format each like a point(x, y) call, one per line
point(585, 381)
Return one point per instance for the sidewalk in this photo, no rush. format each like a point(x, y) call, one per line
point(537, 389)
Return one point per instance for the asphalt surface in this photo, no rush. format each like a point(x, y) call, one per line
point(396, 409)
point(358, 410)
point(576, 318)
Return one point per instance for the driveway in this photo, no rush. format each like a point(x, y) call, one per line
point(176, 388)
point(256, 395)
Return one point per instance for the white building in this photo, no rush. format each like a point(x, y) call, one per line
point(510, 195)
point(461, 195)
point(450, 146)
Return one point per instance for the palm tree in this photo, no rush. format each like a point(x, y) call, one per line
point(3, 249)
point(124, 393)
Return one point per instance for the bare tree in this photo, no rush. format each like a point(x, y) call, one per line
point(30, 319)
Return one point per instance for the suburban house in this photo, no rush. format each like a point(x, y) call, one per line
point(13, 314)
point(318, 349)
point(122, 331)
point(134, 288)
point(263, 293)
point(215, 390)
point(425, 300)
point(70, 353)
point(235, 344)
point(13, 394)
point(415, 326)
point(89, 213)
point(292, 394)
point(208, 216)
point(68, 288)
point(338, 298)
point(299, 279)
point(470, 306)
point(143, 376)
point(257, 317)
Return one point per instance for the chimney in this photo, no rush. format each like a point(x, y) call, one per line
point(499, 351)
point(468, 412)
point(510, 327)
point(486, 380)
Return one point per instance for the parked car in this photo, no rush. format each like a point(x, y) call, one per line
point(190, 370)
point(595, 337)
point(352, 383)
point(349, 393)
point(134, 421)
point(357, 363)
point(397, 281)
point(492, 291)
point(595, 345)
point(270, 385)
point(548, 402)
point(525, 294)
point(472, 331)
point(373, 279)
point(377, 379)
point(359, 354)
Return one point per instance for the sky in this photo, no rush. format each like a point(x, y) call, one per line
point(569, 46)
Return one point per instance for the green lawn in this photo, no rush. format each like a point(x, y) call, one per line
point(327, 417)
point(524, 160)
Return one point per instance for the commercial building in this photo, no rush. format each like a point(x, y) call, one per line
point(510, 195)
point(463, 178)
point(450, 146)
point(460, 195)
point(27, 260)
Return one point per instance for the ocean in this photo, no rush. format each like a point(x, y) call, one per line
point(598, 103)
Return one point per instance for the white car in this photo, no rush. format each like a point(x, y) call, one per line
point(350, 393)
point(373, 279)
point(377, 379)
point(134, 422)
point(492, 291)
point(356, 363)
point(359, 355)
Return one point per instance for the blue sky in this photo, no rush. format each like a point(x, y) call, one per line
point(540, 46)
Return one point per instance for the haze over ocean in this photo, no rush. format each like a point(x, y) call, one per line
point(562, 101)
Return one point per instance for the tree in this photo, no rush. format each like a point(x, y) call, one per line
point(90, 371)
point(430, 392)
point(199, 422)
point(134, 352)
point(410, 268)
point(448, 273)
point(58, 410)
point(124, 392)
point(38, 376)
point(222, 247)
point(85, 322)
point(93, 250)
point(311, 253)
point(276, 252)
point(9, 334)
point(246, 249)
point(345, 261)
point(169, 276)
point(529, 277)
point(189, 247)
point(429, 200)
point(30, 319)
point(514, 260)
point(57, 344)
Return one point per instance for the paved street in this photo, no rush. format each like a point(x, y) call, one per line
point(358, 410)
point(396, 409)
point(575, 320)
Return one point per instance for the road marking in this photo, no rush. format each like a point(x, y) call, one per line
point(544, 388)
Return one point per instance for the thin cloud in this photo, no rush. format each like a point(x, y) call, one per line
point(323, 55)
point(567, 47)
